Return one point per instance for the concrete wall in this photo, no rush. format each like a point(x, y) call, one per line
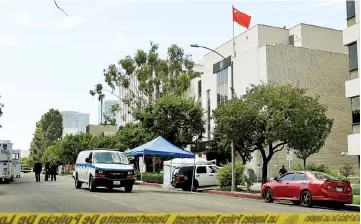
point(324, 74)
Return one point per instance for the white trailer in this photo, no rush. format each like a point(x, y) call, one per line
point(16, 161)
point(6, 165)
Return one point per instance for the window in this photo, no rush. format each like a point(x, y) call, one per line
point(200, 91)
point(323, 176)
point(300, 176)
point(186, 170)
point(222, 86)
point(355, 105)
point(352, 53)
point(286, 177)
point(213, 169)
point(201, 169)
point(15, 156)
point(350, 9)
point(208, 114)
point(292, 40)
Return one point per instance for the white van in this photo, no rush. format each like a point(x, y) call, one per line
point(105, 168)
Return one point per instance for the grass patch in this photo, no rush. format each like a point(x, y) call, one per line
point(356, 199)
point(356, 191)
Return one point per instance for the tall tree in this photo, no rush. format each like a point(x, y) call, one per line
point(131, 135)
point(47, 132)
point(177, 118)
point(155, 76)
point(232, 122)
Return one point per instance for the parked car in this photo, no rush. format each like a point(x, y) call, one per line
point(205, 175)
point(307, 188)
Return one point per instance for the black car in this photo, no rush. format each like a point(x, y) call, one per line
point(182, 178)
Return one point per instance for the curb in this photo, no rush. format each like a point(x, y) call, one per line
point(236, 194)
point(148, 184)
point(353, 207)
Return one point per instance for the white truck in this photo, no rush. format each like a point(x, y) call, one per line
point(16, 161)
point(6, 165)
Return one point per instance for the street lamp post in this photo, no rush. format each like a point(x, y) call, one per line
point(232, 92)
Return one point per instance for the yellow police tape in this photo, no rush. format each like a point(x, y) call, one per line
point(181, 218)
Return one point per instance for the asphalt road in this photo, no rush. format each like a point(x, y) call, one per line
point(25, 195)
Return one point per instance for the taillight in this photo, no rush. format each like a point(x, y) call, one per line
point(348, 189)
point(99, 175)
point(177, 177)
point(326, 186)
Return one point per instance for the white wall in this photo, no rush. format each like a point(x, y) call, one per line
point(353, 144)
point(352, 87)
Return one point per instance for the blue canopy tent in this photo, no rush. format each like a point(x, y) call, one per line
point(160, 147)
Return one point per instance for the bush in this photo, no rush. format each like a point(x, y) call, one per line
point(347, 170)
point(356, 200)
point(151, 177)
point(356, 191)
point(252, 176)
point(321, 168)
point(224, 176)
point(297, 167)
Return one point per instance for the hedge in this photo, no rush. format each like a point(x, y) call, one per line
point(151, 177)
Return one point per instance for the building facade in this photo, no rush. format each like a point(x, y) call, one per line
point(74, 122)
point(125, 115)
point(101, 130)
point(104, 110)
point(310, 56)
point(351, 39)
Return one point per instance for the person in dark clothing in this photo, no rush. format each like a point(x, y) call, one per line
point(47, 171)
point(37, 169)
point(53, 171)
point(283, 170)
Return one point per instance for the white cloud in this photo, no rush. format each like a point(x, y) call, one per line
point(11, 42)
point(118, 41)
point(29, 19)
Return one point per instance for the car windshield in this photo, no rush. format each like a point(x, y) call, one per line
point(323, 176)
point(110, 157)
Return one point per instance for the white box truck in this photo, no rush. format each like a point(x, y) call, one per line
point(16, 161)
point(6, 164)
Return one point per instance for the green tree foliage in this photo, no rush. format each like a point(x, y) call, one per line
point(155, 76)
point(47, 132)
point(177, 118)
point(231, 123)
point(51, 154)
point(26, 162)
point(131, 135)
point(274, 117)
point(224, 176)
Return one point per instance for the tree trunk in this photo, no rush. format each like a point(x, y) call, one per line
point(264, 171)
point(304, 163)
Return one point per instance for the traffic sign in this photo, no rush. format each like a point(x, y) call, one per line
point(289, 155)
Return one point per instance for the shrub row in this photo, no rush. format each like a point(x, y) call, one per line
point(151, 177)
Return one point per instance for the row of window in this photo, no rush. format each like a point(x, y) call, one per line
point(353, 59)
point(222, 86)
point(355, 105)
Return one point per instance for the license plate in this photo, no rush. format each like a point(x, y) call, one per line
point(339, 189)
point(116, 182)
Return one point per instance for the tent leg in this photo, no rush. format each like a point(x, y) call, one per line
point(170, 174)
point(194, 173)
point(141, 174)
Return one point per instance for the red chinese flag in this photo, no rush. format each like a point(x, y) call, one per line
point(241, 18)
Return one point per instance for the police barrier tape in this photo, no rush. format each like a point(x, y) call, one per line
point(181, 218)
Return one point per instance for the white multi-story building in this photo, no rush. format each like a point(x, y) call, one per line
point(105, 110)
point(74, 122)
point(351, 39)
point(125, 115)
point(312, 57)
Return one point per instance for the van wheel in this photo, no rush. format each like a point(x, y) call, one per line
point(77, 182)
point(91, 184)
point(128, 188)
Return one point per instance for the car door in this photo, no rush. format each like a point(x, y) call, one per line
point(296, 186)
point(281, 189)
point(202, 176)
point(212, 173)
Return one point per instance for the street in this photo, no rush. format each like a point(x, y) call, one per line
point(25, 195)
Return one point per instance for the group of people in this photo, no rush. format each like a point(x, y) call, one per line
point(50, 170)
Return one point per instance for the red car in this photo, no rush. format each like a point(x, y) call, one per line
point(307, 187)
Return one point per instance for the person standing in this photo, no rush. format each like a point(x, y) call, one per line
point(283, 170)
point(53, 171)
point(47, 171)
point(37, 170)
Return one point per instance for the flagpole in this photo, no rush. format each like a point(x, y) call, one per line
point(233, 160)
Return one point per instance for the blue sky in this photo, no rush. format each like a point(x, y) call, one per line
point(49, 60)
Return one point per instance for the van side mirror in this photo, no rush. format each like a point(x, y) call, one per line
point(87, 160)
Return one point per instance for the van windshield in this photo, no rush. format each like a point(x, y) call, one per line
point(110, 157)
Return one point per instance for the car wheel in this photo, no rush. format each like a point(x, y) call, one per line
point(128, 188)
point(296, 202)
point(306, 199)
point(268, 196)
point(77, 183)
point(91, 184)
